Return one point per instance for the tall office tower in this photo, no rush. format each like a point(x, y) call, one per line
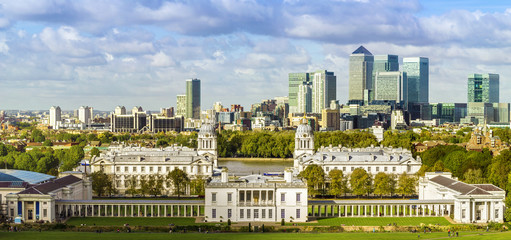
point(304, 98)
point(193, 98)
point(181, 105)
point(483, 88)
point(55, 116)
point(84, 114)
point(391, 86)
point(360, 75)
point(383, 63)
point(136, 109)
point(120, 110)
point(324, 89)
point(417, 71)
point(295, 81)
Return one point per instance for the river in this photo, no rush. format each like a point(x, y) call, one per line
point(254, 166)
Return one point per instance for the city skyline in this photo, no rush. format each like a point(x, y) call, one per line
point(75, 53)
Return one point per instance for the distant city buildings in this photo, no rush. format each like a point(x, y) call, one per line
point(417, 71)
point(85, 114)
point(193, 98)
point(483, 88)
point(311, 92)
point(360, 75)
point(55, 116)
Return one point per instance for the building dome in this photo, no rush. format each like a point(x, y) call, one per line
point(303, 129)
point(207, 129)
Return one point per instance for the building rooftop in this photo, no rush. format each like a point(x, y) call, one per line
point(463, 188)
point(362, 50)
point(51, 186)
point(14, 175)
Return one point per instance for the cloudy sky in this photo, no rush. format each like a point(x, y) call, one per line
point(117, 52)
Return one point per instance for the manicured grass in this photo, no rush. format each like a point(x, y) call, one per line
point(133, 221)
point(378, 221)
point(248, 236)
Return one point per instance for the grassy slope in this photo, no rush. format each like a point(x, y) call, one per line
point(379, 221)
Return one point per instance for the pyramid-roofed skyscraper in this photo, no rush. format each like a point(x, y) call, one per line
point(360, 75)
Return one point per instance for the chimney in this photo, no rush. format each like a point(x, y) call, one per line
point(288, 175)
point(225, 175)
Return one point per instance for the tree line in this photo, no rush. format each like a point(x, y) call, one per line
point(358, 183)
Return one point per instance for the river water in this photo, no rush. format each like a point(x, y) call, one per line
point(254, 166)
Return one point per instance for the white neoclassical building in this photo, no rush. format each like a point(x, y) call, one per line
point(372, 159)
point(256, 198)
point(473, 203)
point(123, 162)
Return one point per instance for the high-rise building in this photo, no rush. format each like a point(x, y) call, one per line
point(193, 98)
point(324, 89)
point(360, 75)
point(84, 115)
point(120, 110)
point(55, 116)
point(483, 88)
point(417, 72)
point(304, 98)
point(391, 86)
point(383, 63)
point(295, 81)
point(181, 105)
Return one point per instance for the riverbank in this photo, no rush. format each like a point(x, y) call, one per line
point(257, 159)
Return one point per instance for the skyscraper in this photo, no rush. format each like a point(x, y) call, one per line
point(84, 114)
point(181, 105)
point(391, 86)
point(295, 81)
point(324, 89)
point(55, 116)
point(360, 74)
point(483, 88)
point(417, 71)
point(383, 63)
point(193, 98)
point(304, 98)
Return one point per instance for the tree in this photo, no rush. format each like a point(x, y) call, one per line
point(338, 183)
point(131, 185)
point(47, 143)
point(37, 136)
point(361, 182)
point(197, 185)
point(155, 184)
point(384, 184)
point(144, 185)
point(315, 178)
point(474, 176)
point(94, 152)
point(179, 180)
point(102, 183)
point(406, 185)
point(499, 169)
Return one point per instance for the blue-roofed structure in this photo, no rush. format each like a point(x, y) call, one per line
point(362, 50)
point(14, 175)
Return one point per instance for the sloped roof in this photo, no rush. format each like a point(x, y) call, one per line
point(51, 186)
point(488, 187)
point(25, 176)
point(362, 50)
point(461, 187)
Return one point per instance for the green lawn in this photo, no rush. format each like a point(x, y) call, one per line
point(133, 221)
point(378, 221)
point(249, 236)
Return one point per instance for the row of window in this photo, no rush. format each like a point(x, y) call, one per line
point(242, 197)
point(143, 169)
point(385, 169)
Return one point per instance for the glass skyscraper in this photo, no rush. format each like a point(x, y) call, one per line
point(391, 86)
point(193, 98)
point(417, 70)
point(383, 63)
point(295, 81)
point(324, 89)
point(483, 88)
point(360, 74)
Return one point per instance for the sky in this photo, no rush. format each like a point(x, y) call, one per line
point(139, 53)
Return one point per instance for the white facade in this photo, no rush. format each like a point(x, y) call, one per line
point(256, 198)
point(473, 203)
point(55, 116)
point(84, 114)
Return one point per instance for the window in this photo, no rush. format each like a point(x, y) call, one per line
point(213, 213)
point(327, 169)
point(270, 195)
point(270, 213)
point(377, 169)
point(248, 213)
point(125, 169)
point(168, 169)
point(283, 213)
point(229, 213)
point(408, 168)
point(45, 212)
point(118, 169)
point(142, 169)
point(282, 197)
point(12, 211)
point(344, 169)
point(242, 196)
point(297, 213)
point(229, 197)
point(213, 197)
point(159, 169)
point(352, 168)
point(385, 169)
point(393, 169)
point(242, 215)
point(368, 169)
point(496, 213)
point(256, 213)
point(263, 213)
point(150, 169)
point(298, 195)
point(463, 213)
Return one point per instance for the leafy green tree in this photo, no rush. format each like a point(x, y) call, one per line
point(47, 143)
point(131, 185)
point(361, 182)
point(24, 161)
point(155, 184)
point(102, 184)
point(406, 185)
point(474, 176)
point(162, 142)
point(37, 135)
point(338, 183)
point(197, 185)
point(94, 152)
point(499, 169)
point(315, 178)
point(384, 184)
point(144, 185)
point(179, 180)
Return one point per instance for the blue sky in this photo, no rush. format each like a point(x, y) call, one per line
point(109, 53)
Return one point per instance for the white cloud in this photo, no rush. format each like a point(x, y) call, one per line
point(161, 59)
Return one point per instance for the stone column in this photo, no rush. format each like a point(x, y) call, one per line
point(384, 210)
point(473, 215)
point(372, 210)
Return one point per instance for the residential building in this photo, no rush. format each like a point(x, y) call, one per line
point(483, 88)
point(360, 75)
point(256, 198)
point(417, 71)
point(85, 115)
point(55, 116)
point(304, 98)
point(120, 110)
point(193, 98)
point(324, 89)
point(181, 105)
